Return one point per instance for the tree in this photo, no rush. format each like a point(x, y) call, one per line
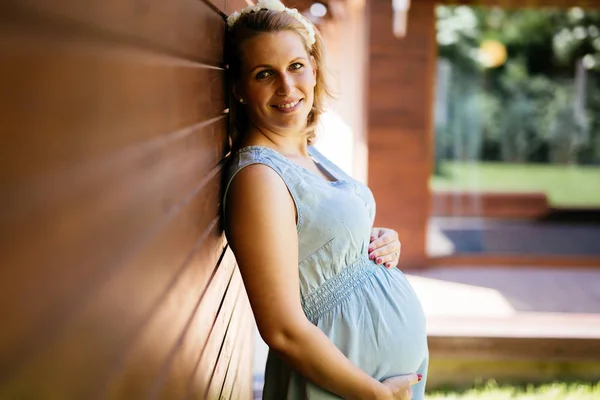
point(531, 108)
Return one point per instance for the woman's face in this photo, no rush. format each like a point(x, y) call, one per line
point(277, 82)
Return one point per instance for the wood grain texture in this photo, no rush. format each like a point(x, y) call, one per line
point(226, 369)
point(111, 162)
point(191, 29)
point(93, 102)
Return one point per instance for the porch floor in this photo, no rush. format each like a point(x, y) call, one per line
point(511, 302)
point(540, 304)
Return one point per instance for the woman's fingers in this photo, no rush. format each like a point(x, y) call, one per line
point(412, 379)
point(384, 237)
point(401, 385)
point(387, 254)
point(385, 248)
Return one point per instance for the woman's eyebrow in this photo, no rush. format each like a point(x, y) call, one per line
point(261, 66)
point(270, 66)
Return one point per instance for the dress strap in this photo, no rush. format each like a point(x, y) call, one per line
point(262, 155)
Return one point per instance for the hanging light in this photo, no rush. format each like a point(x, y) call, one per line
point(400, 8)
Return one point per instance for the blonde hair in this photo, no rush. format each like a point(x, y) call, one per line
point(264, 21)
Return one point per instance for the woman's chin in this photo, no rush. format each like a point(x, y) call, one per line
point(295, 120)
point(295, 125)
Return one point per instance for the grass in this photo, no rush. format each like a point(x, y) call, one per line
point(553, 391)
point(565, 185)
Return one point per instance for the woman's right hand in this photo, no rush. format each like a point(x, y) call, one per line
point(400, 386)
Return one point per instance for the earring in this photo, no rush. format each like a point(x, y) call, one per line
point(241, 100)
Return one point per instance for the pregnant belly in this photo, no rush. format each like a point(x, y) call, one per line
point(381, 326)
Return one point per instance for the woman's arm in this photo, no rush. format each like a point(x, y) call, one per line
point(262, 233)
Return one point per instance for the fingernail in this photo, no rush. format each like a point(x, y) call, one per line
point(388, 265)
point(372, 256)
point(420, 377)
point(379, 260)
point(371, 249)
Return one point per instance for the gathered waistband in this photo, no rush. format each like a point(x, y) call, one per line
point(337, 289)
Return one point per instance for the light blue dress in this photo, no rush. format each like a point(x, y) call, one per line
point(369, 312)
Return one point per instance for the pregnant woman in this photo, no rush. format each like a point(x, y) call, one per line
point(340, 319)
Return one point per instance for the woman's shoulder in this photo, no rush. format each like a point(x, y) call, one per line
point(258, 189)
point(257, 164)
point(253, 154)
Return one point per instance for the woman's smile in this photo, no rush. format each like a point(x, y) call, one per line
point(288, 107)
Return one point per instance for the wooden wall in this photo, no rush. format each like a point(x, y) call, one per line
point(115, 278)
point(400, 123)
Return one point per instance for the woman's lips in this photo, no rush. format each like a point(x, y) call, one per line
point(288, 109)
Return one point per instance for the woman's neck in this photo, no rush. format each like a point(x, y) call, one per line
point(286, 144)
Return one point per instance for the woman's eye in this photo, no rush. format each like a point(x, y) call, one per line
point(297, 65)
point(262, 74)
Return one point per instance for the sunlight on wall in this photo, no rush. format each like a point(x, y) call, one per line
point(335, 140)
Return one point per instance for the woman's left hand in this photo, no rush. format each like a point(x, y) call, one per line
point(385, 247)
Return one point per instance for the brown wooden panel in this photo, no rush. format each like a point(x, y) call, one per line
point(241, 387)
point(162, 361)
point(235, 366)
point(228, 349)
point(91, 102)
point(111, 248)
point(188, 28)
point(110, 218)
point(220, 299)
point(219, 322)
point(95, 327)
point(218, 344)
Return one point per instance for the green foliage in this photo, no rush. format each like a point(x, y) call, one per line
point(565, 185)
point(530, 109)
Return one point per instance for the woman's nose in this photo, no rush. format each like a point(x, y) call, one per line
point(285, 85)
